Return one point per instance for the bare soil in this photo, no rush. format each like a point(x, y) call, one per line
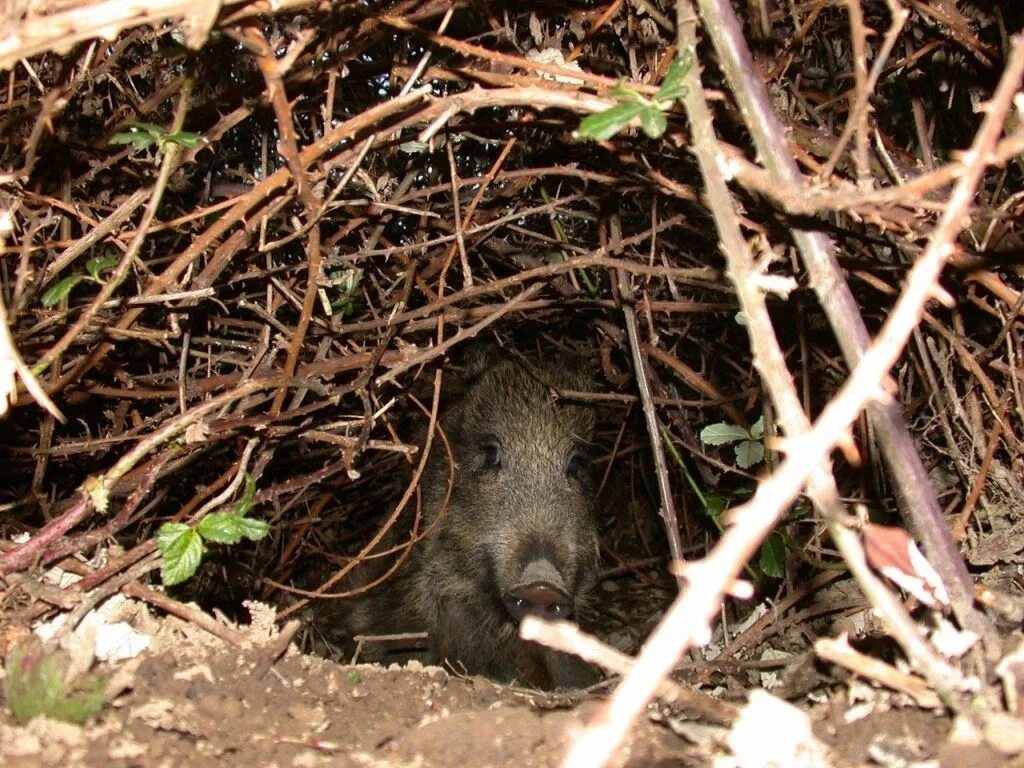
point(198, 702)
point(191, 699)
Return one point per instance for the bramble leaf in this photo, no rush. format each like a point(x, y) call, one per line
point(99, 264)
point(622, 92)
point(749, 453)
point(652, 122)
point(187, 139)
point(253, 529)
point(221, 527)
point(603, 125)
point(182, 550)
point(672, 87)
point(244, 504)
point(60, 290)
point(773, 556)
point(137, 139)
point(142, 135)
point(723, 433)
point(714, 505)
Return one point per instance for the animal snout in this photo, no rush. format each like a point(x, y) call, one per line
point(538, 599)
point(541, 591)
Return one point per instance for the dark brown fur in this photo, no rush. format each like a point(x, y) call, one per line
point(487, 525)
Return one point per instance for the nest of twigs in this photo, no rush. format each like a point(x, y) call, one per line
point(239, 245)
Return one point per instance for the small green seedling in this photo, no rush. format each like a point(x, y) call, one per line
point(94, 268)
point(344, 282)
point(634, 106)
point(182, 546)
point(35, 685)
point(145, 135)
point(749, 446)
point(772, 560)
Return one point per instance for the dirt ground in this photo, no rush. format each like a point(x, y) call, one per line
point(191, 699)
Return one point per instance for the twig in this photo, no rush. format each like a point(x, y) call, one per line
point(568, 638)
point(840, 652)
point(978, 481)
point(61, 30)
point(463, 335)
point(188, 613)
point(276, 648)
point(668, 510)
point(11, 364)
point(857, 118)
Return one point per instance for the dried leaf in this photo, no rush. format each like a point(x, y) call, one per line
point(894, 554)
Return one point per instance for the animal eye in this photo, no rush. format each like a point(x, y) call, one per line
point(578, 464)
point(491, 455)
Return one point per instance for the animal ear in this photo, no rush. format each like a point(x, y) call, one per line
point(569, 372)
point(477, 358)
point(464, 369)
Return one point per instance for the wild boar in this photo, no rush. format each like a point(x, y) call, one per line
point(511, 529)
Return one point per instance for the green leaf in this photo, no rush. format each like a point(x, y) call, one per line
point(137, 139)
point(169, 533)
point(143, 135)
point(184, 138)
point(773, 556)
point(344, 283)
point(757, 428)
point(221, 527)
point(253, 529)
point(672, 87)
point(623, 93)
point(603, 125)
point(749, 453)
point(182, 550)
point(652, 122)
point(100, 264)
point(413, 148)
point(723, 433)
point(83, 700)
point(153, 128)
point(244, 504)
point(714, 505)
point(60, 290)
point(34, 685)
point(343, 307)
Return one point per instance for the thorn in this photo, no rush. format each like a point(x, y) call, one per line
point(942, 296)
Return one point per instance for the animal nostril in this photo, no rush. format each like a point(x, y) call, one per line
point(558, 611)
point(539, 598)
